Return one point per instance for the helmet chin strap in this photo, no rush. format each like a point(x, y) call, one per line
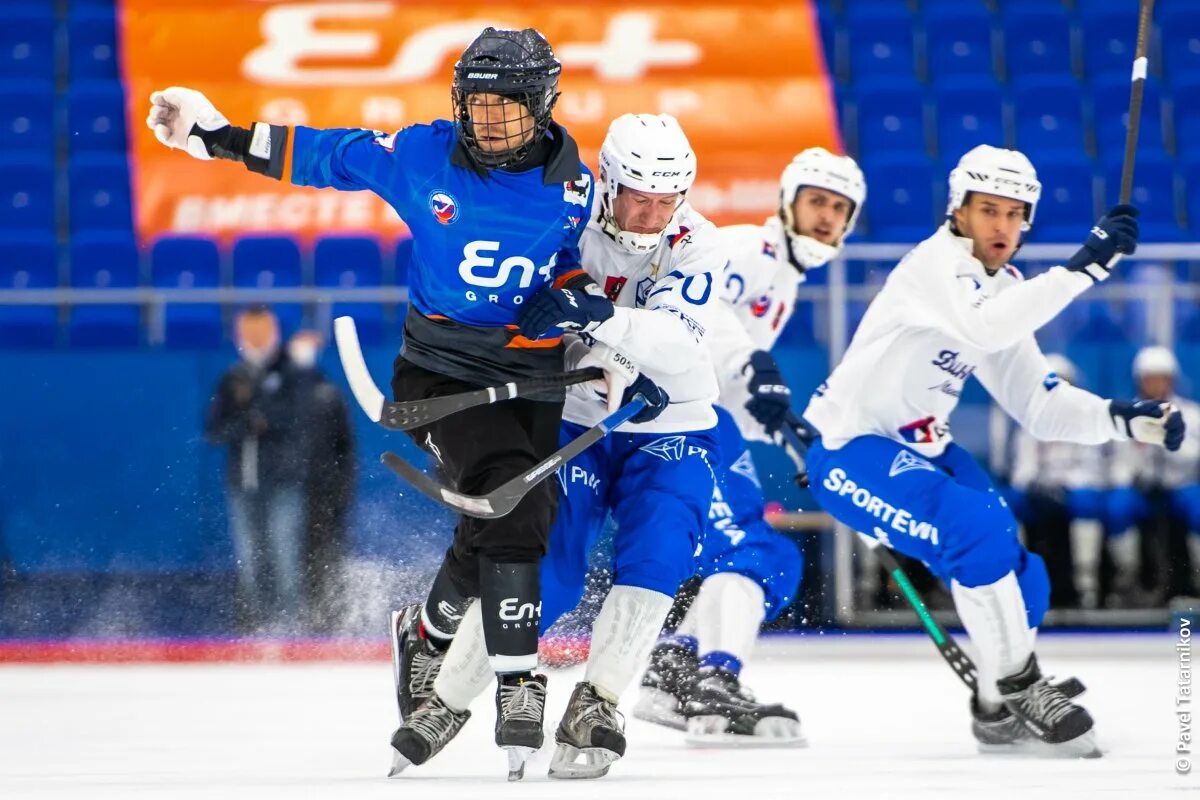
point(805, 252)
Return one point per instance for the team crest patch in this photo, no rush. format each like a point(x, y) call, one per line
point(668, 448)
point(674, 238)
point(444, 207)
point(906, 462)
point(576, 191)
point(1051, 380)
point(761, 306)
point(613, 286)
point(769, 250)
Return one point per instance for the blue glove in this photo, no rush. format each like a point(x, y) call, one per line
point(656, 399)
point(1116, 232)
point(770, 398)
point(1149, 421)
point(572, 309)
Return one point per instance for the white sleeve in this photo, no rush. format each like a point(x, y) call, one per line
point(959, 306)
point(1051, 409)
point(667, 336)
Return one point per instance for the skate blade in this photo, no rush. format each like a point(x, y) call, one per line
point(713, 731)
point(517, 756)
point(1084, 746)
point(660, 708)
point(399, 763)
point(595, 763)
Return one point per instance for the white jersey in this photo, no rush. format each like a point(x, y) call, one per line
point(1148, 466)
point(939, 319)
point(1052, 466)
point(758, 290)
point(664, 302)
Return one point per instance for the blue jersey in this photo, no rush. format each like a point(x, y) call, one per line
point(484, 241)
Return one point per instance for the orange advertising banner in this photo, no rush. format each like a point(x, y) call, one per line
point(749, 85)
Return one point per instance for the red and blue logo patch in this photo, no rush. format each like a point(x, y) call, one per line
point(444, 207)
point(675, 237)
point(761, 306)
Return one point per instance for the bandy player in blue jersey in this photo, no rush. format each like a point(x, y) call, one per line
point(496, 200)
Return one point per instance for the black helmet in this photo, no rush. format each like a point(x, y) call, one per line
point(518, 65)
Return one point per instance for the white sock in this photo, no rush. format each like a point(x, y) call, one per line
point(996, 620)
point(729, 611)
point(622, 636)
point(1087, 537)
point(1126, 552)
point(466, 671)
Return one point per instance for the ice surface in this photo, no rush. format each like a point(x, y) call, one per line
point(885, 718)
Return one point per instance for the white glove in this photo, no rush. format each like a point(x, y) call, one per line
point(1148, 421)
point(175, 112)
point(619, 369)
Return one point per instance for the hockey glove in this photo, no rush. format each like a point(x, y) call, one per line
point(1148, 421)
point(770, 398)
point(571, 309)
point(1116, 233)
point(657, 399)
point(184, 119)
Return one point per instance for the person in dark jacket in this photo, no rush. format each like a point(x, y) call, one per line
point(329, 490)
point(254, 413)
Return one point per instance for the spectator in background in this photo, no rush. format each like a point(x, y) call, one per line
point(254, 414)
point(329, 489)
point(1057, 496)
point(1158, 495)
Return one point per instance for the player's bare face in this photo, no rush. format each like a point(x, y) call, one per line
point(1156, 387)
point(644, 212)
point(993, 224)
point(821, 214)
point(500, 123)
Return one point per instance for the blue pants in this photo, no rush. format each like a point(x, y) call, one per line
point(944, 511)
point(658, 487)
point(737, 538)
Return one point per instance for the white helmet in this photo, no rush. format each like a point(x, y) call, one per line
point(648, 153)
point(1063, 367)
point(1155, 360)
point(994, 170)
point(818, 167)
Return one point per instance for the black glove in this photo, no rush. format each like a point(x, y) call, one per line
point(1116, 232)
point(770, 398)
point(1149, 421)
point(656, 399)
point(572, 309)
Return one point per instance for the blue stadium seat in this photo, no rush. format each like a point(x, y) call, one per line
point(268, 262)
point(27, 116)
point(1180, 26)
point(891, 115)
point(92, 43)
point(100, 193)
point(187, 262)
point(106, 260)
point(1153, 194)
point(27, 42)
point(1049, 113)
point(959, 40)
point(1068, 193)
point(1191, 178)
point(27, 195)
point(970, 112)
point(1037, 38)
point(348, 262)
point(1185, 99)
point(28, 261)
point(901, 204)
point(1109, 36)
point(1110, 101)
point(96, 117)
point(880, 38)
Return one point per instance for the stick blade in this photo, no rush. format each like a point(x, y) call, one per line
point(369, 398)
point(481, 507)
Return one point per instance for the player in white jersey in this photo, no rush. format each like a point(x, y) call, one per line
point(884, 462)
point(652, 260)
point(748, 572)
point(1156, 494)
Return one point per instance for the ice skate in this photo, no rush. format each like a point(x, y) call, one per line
point(1056, 726)
point(590, 737)
point(721, 711)
point(416, 660)
point(666, 685)
point(424, 733)
point(520, 709)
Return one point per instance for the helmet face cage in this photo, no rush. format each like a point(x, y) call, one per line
point(505, 88)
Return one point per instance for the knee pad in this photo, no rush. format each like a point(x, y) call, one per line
point(1035, 586)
